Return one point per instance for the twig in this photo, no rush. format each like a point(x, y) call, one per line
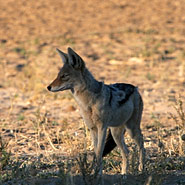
point(48, 138)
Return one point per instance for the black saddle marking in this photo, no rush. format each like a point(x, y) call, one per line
point(127, 88)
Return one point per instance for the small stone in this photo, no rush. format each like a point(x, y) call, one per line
point(183, 137)
point(172, 91)
point(136, 60)
point(42, 147)
point(3, 41)
point(115, 62)
point(71, 108)
point(19, 67)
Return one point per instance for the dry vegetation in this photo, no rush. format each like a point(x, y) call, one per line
point(42, 134)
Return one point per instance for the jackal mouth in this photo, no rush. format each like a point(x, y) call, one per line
point(60, 89)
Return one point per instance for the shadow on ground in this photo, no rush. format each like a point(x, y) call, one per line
point(107, 179)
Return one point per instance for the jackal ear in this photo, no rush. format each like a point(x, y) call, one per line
point(75, 60)
point(62, 55)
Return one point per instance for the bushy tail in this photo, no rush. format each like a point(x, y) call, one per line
point(109, 144)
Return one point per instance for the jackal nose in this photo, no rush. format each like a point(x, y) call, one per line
point(49, 88)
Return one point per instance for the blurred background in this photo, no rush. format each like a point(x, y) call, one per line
point(140, 42)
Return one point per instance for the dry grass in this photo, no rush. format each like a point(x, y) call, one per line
point(168, 157)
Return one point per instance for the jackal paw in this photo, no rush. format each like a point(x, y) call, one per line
point(124, 176)
point(141, 167)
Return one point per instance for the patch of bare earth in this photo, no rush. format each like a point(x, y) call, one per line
point(140, 42)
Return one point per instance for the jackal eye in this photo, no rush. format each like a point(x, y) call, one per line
point(64, 76)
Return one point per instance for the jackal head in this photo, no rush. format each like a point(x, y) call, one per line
point(71, 74)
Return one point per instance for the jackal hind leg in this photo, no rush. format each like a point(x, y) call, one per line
point(136, 135)
point(117, 134)
point(134, 130)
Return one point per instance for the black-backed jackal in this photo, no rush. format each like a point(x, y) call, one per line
point(116, 107)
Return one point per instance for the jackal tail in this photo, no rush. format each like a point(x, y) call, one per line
point(109, 144)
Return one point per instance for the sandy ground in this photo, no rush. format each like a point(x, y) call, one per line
point(140, 42)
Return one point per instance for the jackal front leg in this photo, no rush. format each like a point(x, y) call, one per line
point(100, 146)
point(94, 137)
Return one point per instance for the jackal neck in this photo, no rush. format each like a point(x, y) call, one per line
point(91, 84)
point(88, 89)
